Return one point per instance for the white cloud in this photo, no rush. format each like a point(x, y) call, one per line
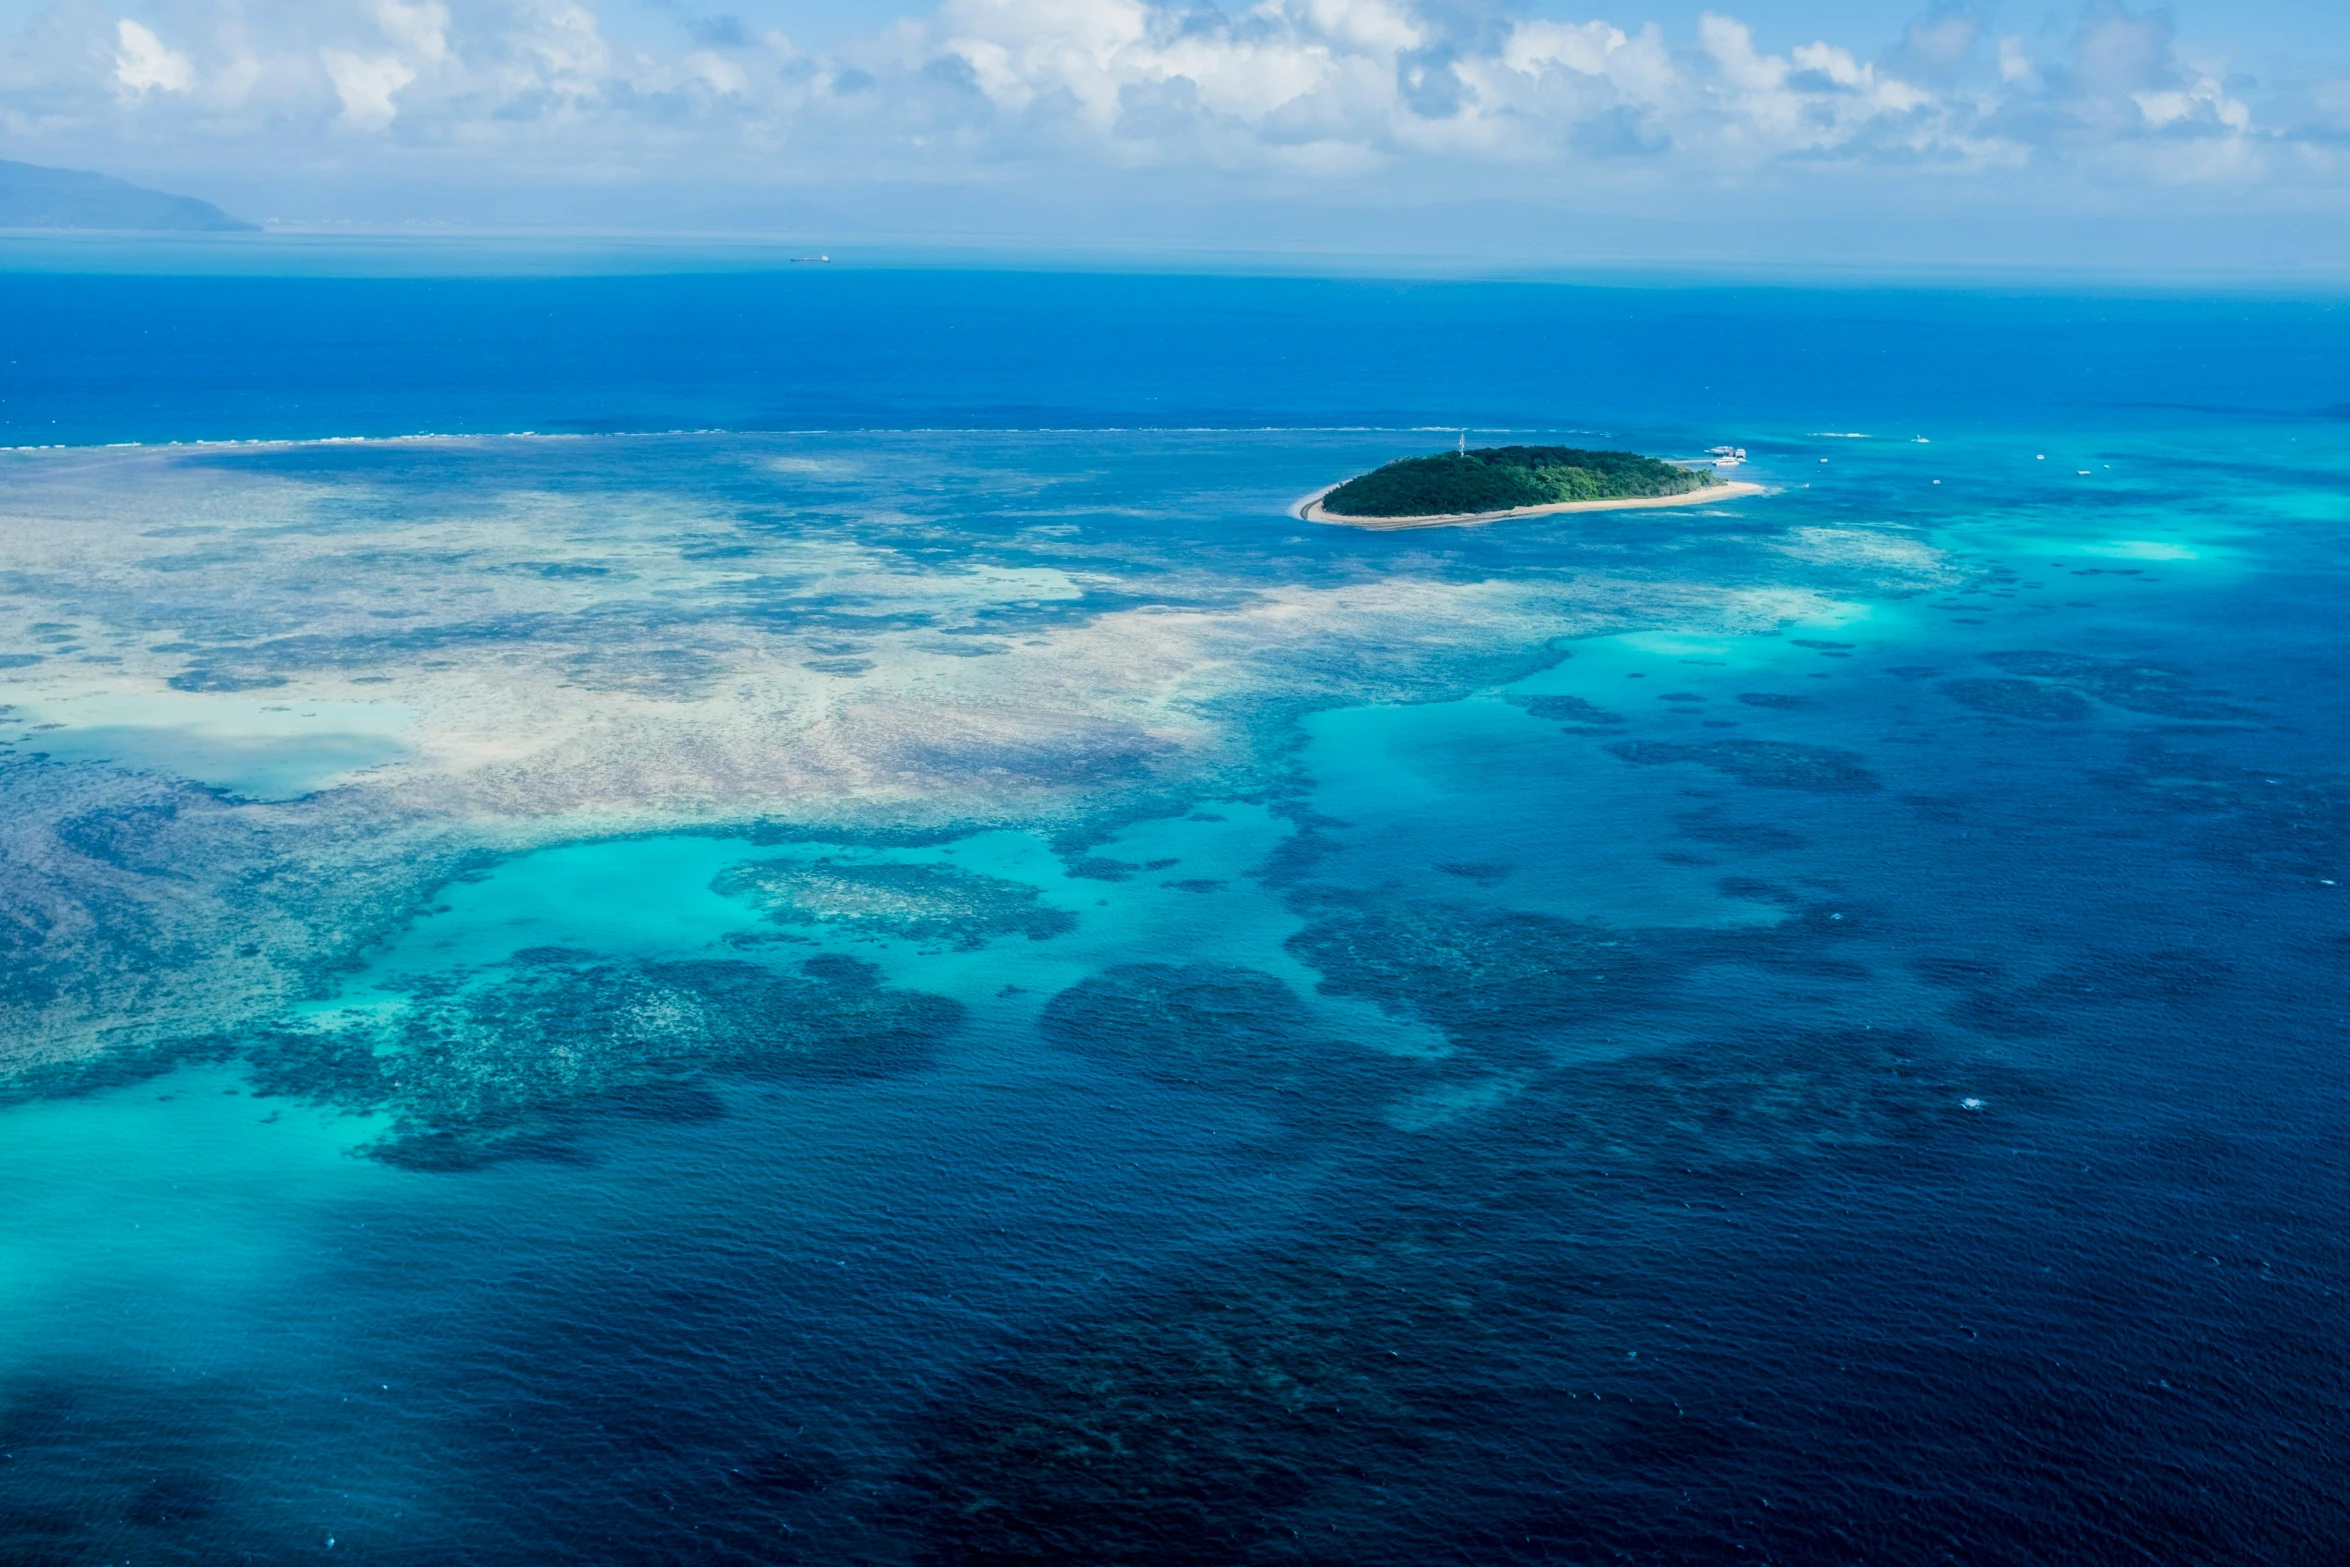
point(1585, 48)
point(2202, 96)
point(1429, 96)
point(143, 64)
point(419, 30)
point(2015, 64)
point(366, 84)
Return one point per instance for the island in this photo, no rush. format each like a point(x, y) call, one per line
point(1492, 482)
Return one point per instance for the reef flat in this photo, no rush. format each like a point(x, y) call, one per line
point(264, 700)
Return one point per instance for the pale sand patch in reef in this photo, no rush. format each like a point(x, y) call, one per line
point(1311, 509)
point(1872, 549)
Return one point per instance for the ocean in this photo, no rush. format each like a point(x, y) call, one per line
point(753, 914)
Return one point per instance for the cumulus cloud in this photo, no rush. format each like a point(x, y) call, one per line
point(142, 64)
point(1451, 94)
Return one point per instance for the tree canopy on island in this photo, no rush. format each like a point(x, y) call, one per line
point(1505, 478)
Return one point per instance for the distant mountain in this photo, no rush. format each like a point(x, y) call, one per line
point(32, 197)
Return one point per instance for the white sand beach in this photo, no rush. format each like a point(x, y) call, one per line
point(1310, 509)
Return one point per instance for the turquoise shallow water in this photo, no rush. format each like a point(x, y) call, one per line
point(982, 994)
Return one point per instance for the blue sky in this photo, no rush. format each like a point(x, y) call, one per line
point(1102, 118)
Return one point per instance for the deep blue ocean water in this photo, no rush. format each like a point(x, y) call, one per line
point(861, 951)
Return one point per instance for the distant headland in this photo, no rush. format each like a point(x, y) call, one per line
point(33, 197)
point(1493, 482)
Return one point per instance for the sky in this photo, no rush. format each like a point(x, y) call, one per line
point(2075, 127)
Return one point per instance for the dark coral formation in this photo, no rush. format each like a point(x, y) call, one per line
point(2134, 685)
point(1339, 1397)
point(1505, 984)
point(512, 1061)
point(1573, 709)
point(1711, 826)
point(2018, 699)
point(138, 912)
point(1186, 1432)
point(917, 902)
point(2265, 819)
point(1204, 1024)
point(1768, 764)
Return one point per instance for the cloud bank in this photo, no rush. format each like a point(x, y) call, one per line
point(1388, 99)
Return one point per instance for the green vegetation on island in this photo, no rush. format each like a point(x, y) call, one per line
point(1507, 478)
